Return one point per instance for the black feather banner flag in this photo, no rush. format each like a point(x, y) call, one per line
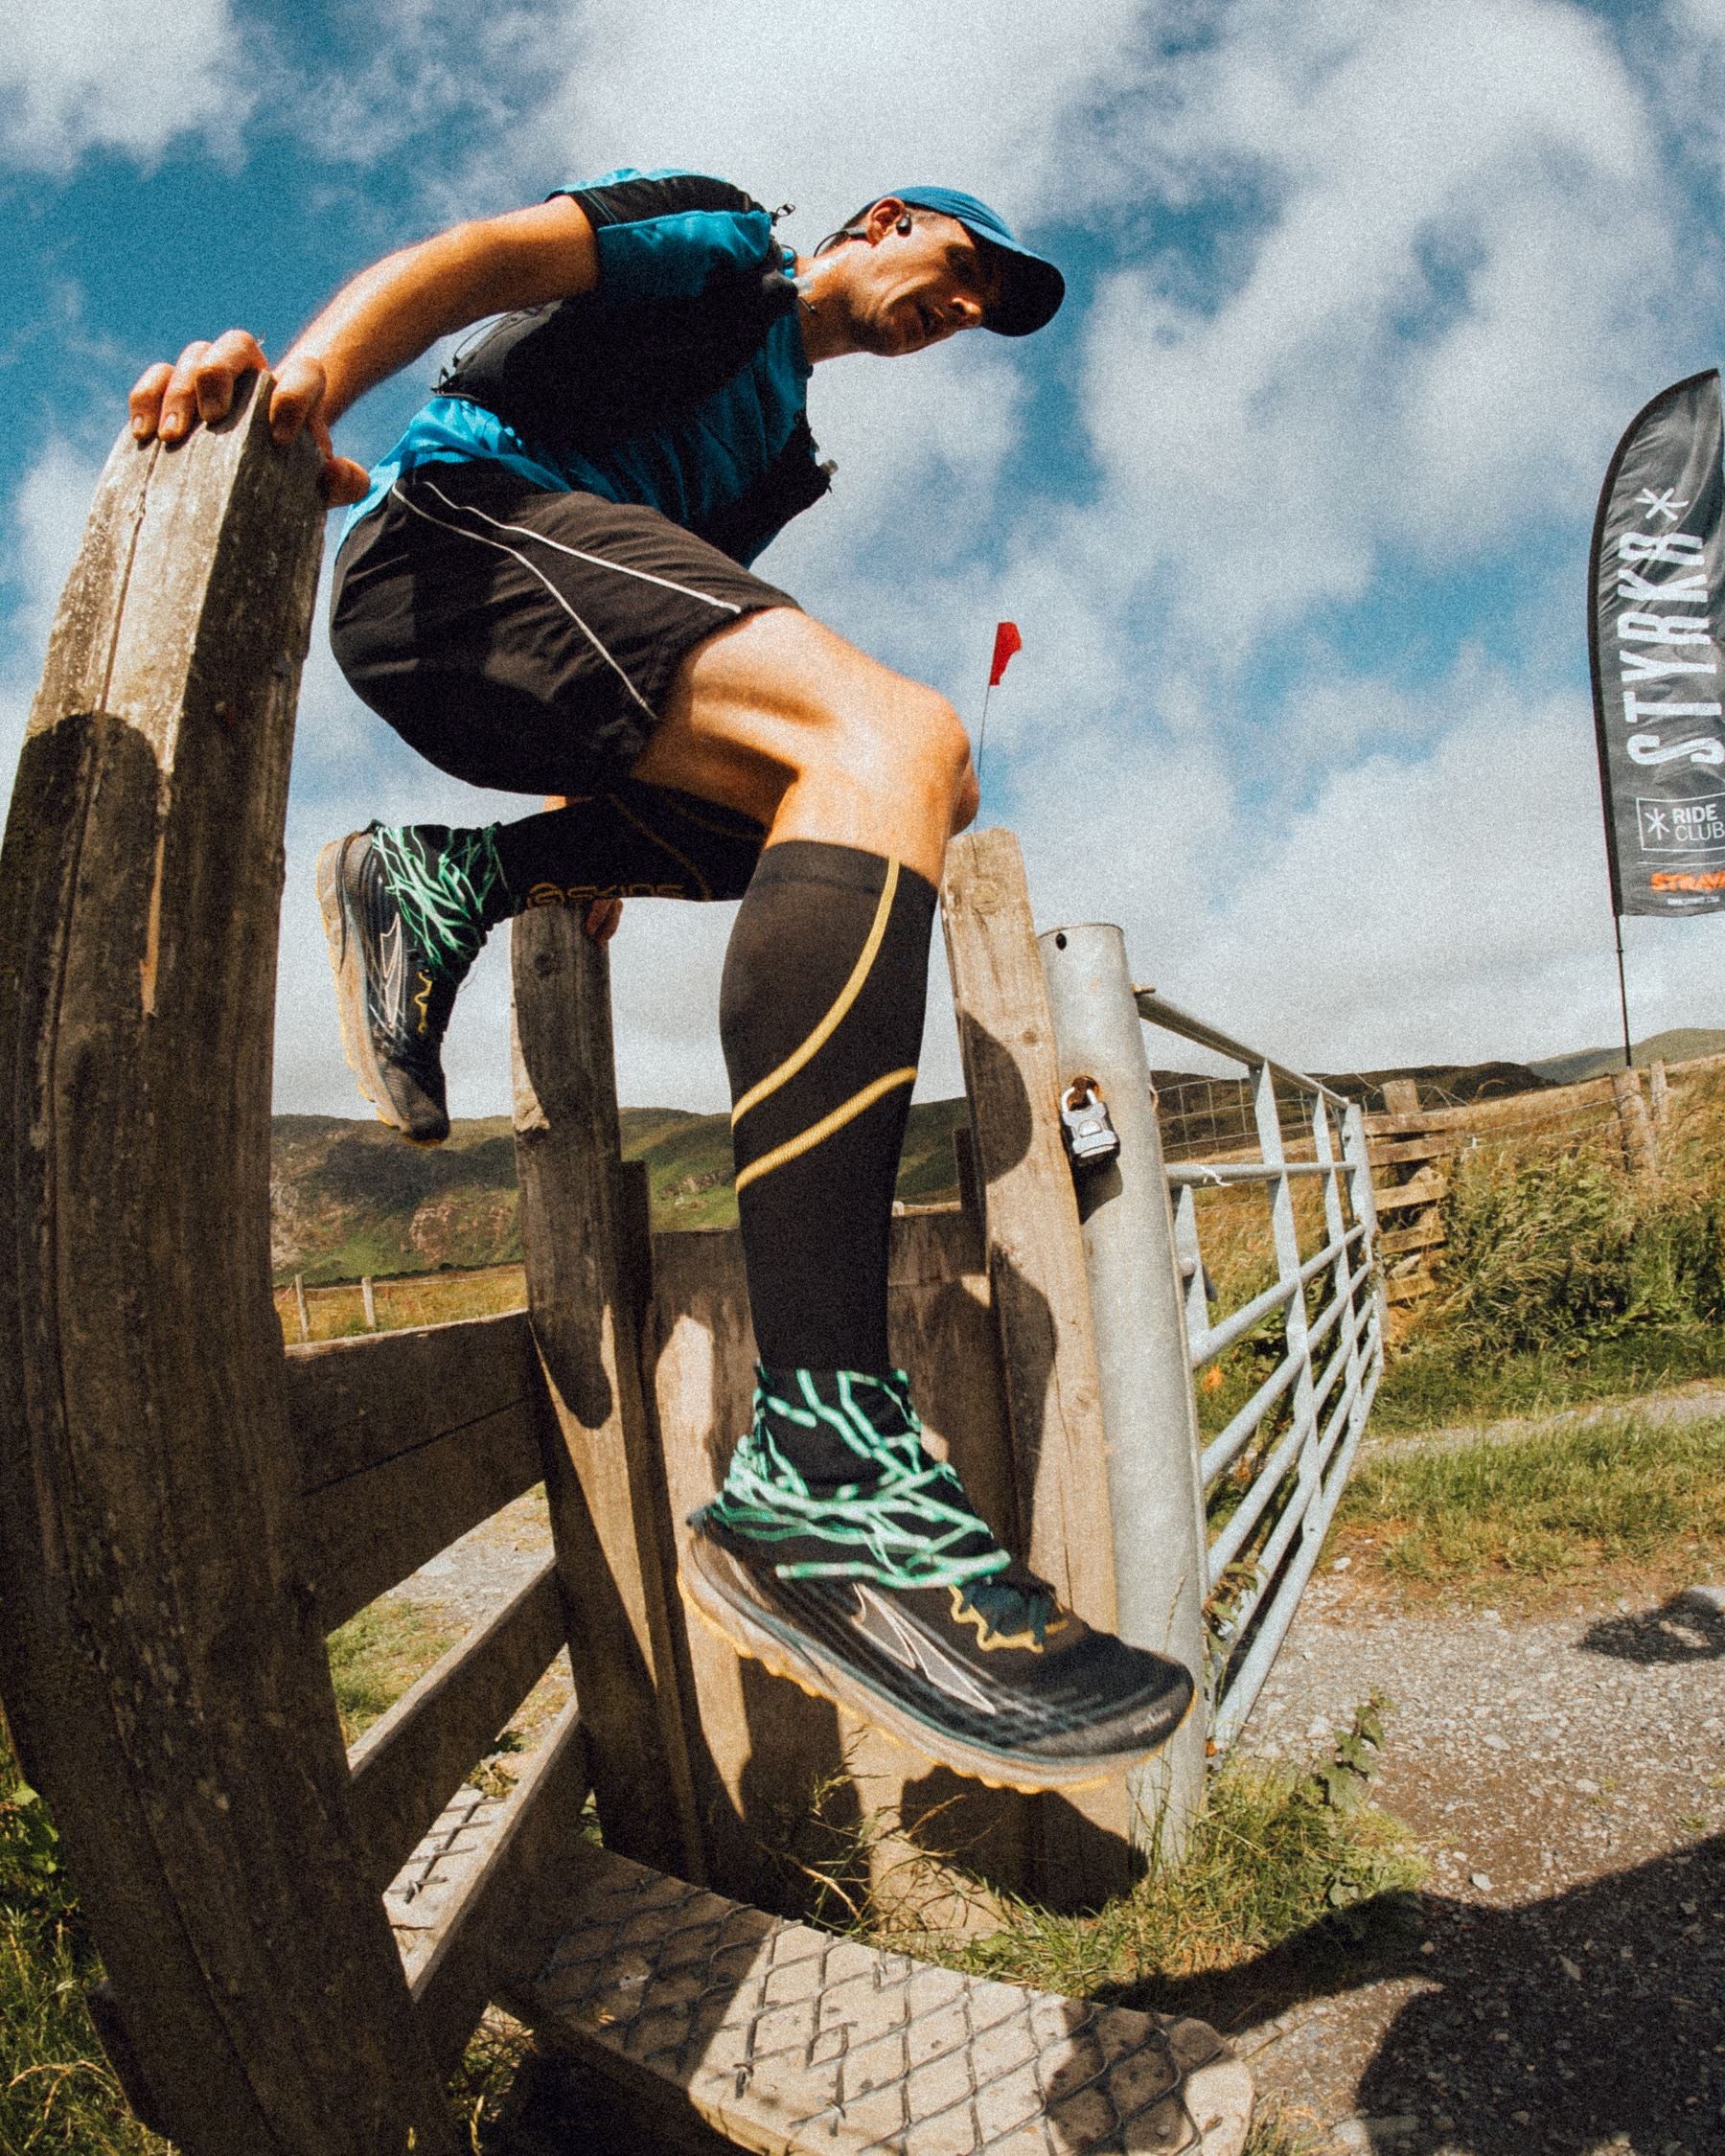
point(1655, 580)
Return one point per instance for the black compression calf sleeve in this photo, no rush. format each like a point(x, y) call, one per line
point(629, 841)
point(820, 1018)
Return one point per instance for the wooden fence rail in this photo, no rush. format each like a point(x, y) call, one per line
point(1413, 1150)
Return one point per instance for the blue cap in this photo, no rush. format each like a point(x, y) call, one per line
point(1031, 287)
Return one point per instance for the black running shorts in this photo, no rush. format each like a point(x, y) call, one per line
point(519, 638)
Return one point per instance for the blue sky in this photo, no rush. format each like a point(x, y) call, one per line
point(1291, 506)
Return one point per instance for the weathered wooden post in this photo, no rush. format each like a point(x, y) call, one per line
point(1658, 1086)
point(299, 1303)
point(1640, 1155)
point(1039, 1292)
point(1154, 1489)
point(368, 1302)
point(161, 1660)
point(604, 1477)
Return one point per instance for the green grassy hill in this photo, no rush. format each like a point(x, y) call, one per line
point(349, 1197)
point(1678, 1045)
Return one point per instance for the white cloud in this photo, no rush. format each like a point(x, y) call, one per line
point(1678, 50)
point(825, 105)
point(48, 514)
point(385, 81)
point(1463, 280)
point(1444, 905)
point(51, 509)
point(78, 75)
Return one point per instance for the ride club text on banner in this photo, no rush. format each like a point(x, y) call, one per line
point(1654, 584)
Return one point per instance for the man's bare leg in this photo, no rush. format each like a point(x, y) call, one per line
point(781, 718)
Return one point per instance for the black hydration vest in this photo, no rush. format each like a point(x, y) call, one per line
point(581, 375)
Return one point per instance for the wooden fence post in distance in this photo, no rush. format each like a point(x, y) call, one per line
point(1641, 1154)
point(605, 1479)
point(160, 1655)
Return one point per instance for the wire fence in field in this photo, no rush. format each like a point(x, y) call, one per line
point(344, 1308)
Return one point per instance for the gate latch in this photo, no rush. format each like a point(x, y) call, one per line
point(1091, 1137)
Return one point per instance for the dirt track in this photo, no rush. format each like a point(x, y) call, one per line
point(1564, 1987)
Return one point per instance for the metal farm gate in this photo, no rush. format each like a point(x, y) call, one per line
point(1282, 1457)
point(1271, 1170)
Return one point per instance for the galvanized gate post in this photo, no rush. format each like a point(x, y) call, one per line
point(1154, 1494)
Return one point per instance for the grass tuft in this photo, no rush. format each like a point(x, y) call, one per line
point(58, 2096)
point(1280, 2130)
point(1277, 1854)
point(1550, 1241)
point(1543, 1509)
point(377, 1654)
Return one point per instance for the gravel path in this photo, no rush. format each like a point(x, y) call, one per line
point(1566, 1988)
point(1699, 1401)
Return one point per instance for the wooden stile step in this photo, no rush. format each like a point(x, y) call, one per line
point(782, 2038)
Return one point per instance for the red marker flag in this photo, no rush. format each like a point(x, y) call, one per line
point(1007, 640)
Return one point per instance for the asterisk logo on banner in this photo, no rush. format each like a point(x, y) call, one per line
point(1660, 504)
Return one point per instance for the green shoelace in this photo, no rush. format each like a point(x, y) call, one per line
point(908, 1526)
point(441, 891)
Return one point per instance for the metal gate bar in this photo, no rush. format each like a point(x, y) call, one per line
point(1297, 1484)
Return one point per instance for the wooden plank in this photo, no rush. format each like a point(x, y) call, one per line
point(783, 2039)
point(1426, 1236)
point(1035, 1254)
point(1511, 1109)
point(604, 1478)
point(482, 1914)
point(1040, 1296)
point(369, 1532)
point(160, 1658)
point(1425, 1189)
point(352, 1404)
point(412, 1759)
point(1441, 1145)
point(766, 1745)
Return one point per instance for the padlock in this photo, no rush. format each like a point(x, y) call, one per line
point(1091, 1137)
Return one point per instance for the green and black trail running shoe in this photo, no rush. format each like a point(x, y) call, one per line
point(404, 913)
point(891, 1596)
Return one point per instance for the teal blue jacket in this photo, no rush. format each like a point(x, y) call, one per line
point(678, 383)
